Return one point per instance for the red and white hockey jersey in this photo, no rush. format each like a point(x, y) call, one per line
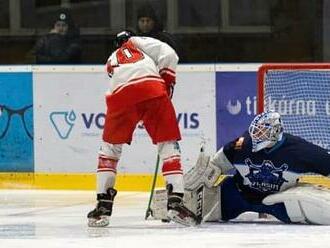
point(142, 68)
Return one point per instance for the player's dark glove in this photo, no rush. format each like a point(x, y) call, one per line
point(110, 68)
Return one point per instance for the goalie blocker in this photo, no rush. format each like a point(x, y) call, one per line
point(216, 197)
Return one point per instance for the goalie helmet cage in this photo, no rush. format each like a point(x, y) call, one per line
point(301, 94)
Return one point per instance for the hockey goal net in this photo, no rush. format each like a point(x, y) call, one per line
point(301, 94)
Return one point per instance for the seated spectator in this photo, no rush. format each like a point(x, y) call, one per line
point(61, 45)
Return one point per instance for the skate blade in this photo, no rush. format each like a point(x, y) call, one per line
point(102, 222)
point(174, 216)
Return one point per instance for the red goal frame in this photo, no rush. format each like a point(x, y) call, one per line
point(263, 69)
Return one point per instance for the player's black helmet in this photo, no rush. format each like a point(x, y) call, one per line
point(122, 37)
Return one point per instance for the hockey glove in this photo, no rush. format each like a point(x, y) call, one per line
point(110, 68)
point(170, 91)
point(168, 76)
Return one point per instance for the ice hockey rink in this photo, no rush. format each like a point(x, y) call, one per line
point(32, 218)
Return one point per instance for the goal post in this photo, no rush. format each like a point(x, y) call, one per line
point(301, 94)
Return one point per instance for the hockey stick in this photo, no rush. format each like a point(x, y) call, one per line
point(149, 210)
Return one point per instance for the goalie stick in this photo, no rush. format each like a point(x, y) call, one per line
point(154, 179)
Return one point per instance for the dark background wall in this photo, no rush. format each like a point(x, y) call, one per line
point(294, 34)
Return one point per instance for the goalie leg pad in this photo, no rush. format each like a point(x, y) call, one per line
point(203, 202)
point(159, 204)
point(304, 203)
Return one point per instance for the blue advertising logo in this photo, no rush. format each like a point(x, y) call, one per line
point(89, 119)
point(188, 120)
point(63, 122)
point(266, 177)
point(234, 109)
point(235, 104)
point(25, 114)
point(16, 122)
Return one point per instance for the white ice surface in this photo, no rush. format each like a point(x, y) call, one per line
point(49, 219)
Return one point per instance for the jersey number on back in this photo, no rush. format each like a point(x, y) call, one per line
point(129, 54)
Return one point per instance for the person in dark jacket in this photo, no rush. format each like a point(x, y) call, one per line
point(61, 45)
point(149, 25)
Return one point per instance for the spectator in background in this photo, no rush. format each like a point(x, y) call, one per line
point(62, 44)
point(149, 25)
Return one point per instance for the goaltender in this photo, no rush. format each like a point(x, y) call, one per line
point(261, 172)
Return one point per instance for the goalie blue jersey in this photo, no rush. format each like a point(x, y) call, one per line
point(268, 171)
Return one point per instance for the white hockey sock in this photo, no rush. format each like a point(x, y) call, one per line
point(105, 180)
point(106, 174)
point(177, 182)
point(169, 153)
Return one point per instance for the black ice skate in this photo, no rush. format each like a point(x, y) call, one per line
point(99, 217)
point(179, 213)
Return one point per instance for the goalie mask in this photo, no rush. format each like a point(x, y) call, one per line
point(266, 130)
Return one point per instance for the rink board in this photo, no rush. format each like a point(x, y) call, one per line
point(70, 116)
point(81, 181)
point(214, 103)
point(68, 119)
point(16, 121)
point(75, 181)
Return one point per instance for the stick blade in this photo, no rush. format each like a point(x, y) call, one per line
point(148, 213)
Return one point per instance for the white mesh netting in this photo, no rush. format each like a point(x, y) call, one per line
point(302, 97)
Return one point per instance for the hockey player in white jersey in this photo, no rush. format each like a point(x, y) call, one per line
point(142, 75)
point(266, 165)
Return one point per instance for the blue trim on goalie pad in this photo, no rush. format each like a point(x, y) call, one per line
point(233, 204)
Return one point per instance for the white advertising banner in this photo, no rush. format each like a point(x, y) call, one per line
point(69, 115)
